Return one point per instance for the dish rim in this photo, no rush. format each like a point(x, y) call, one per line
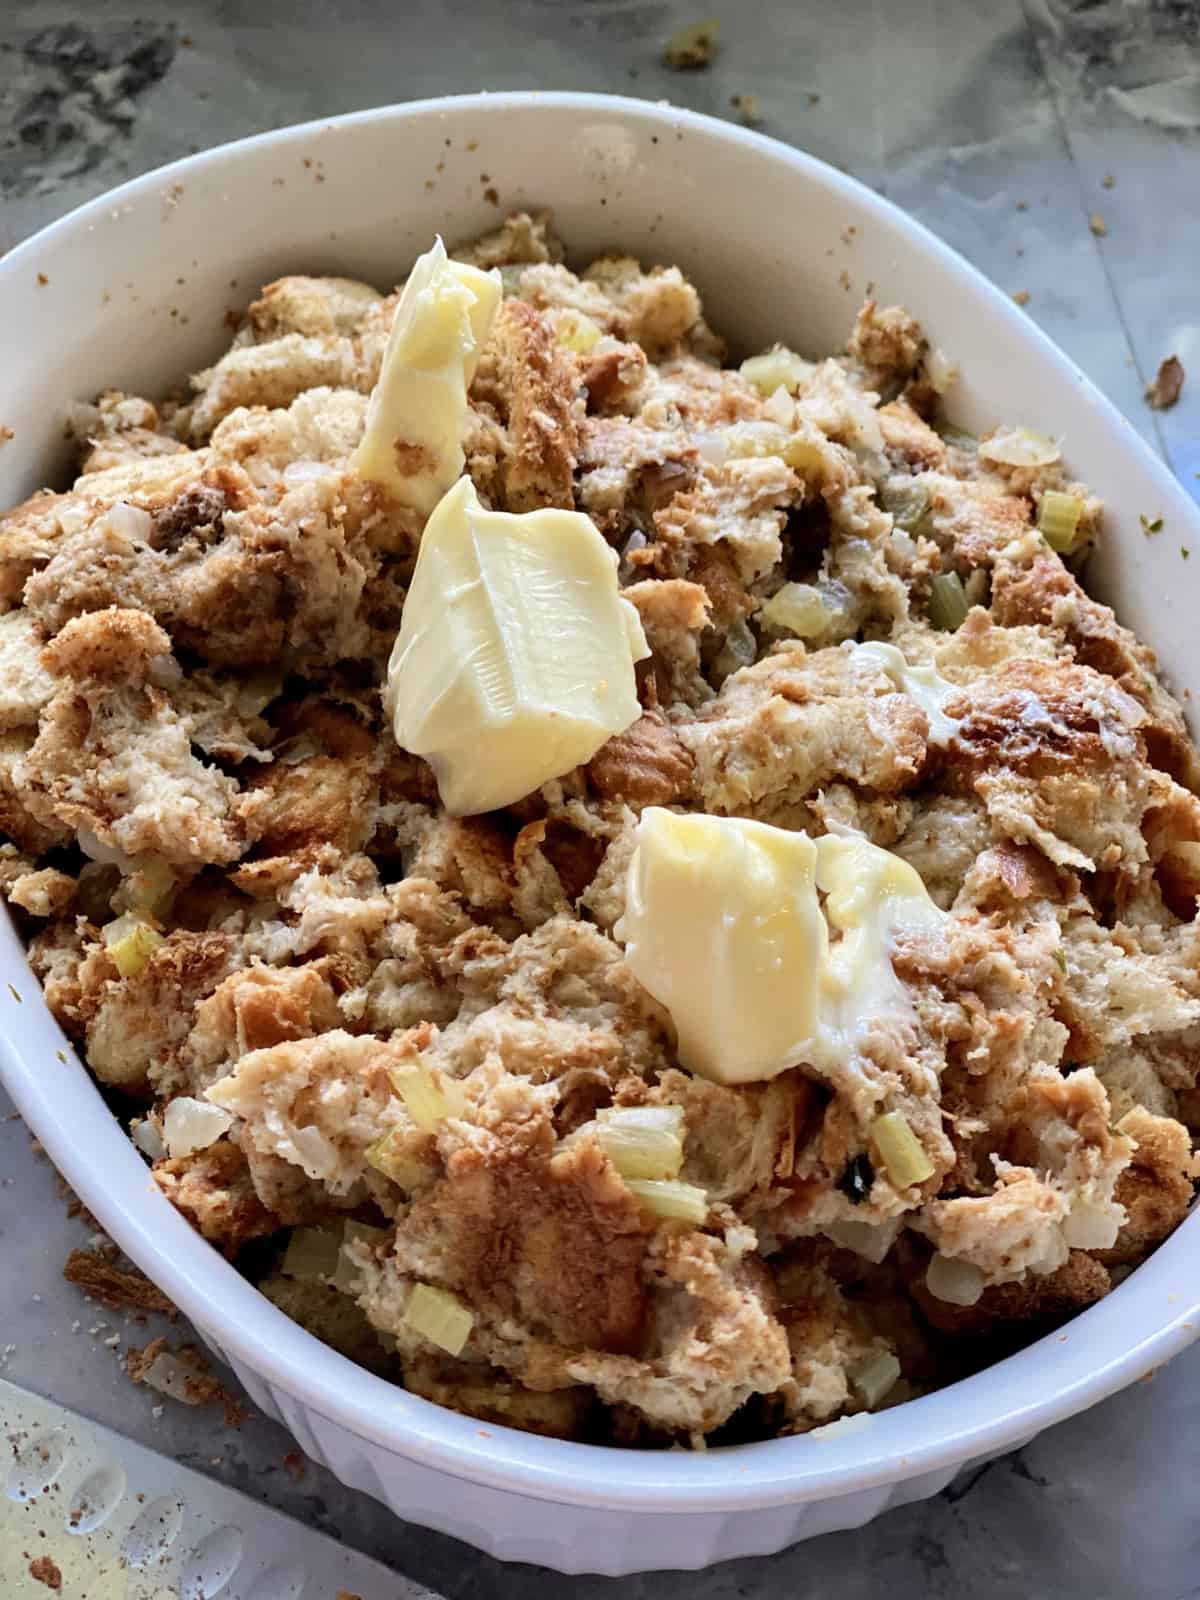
point(949, 1426)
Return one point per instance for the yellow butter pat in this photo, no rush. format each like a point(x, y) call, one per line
point(724, 926)
point(417, 412)
point(922, 683)
point(514, 661)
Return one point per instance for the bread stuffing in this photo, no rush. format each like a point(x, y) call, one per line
point(636, 896)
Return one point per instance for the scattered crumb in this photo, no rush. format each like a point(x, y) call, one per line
point(692, 48)
point(814, 99)
point(491, 196)
point(183, 1375)
point(344, 1594)
point(1021, 296)
point(187, 41)
point(472, 144)
point(1109, 180)
point(1022, 205)
point(113, 1287)
point(45, 1571)
point(747, 108)
point(1184, 551)
point(6, 434)
point(844, 280)
point(1098, 225)
point(1150, 524)
point(294, 1464)
point(1162, 394)
point(43, 279)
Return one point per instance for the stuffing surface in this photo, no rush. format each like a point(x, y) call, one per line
point(250, 913)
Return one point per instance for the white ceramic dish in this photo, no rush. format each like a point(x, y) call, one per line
point(136, 287)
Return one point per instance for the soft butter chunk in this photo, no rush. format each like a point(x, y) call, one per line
point(412, 444)
point(514, 661)
point(922, 683)
point(724, 926)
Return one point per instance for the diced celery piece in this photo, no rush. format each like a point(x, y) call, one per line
point(131, 943)
point(150, 886)
point(875, 1377)
point(900, 1150)
point(958, 438)
point(738, 651)
point(907, 501)
point(577, 331)
point(439, 1317)
point(642, 1141)
point(429, 1097)
point(1058, 520)
point(671, 1200)
point(797, 609)
point(387, 1155)
point(776, 367)
point(947, 602)
point(312, 1254)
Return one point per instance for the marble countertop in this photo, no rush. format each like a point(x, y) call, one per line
point(1056, 144)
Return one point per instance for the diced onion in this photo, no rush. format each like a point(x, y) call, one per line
point(900, 1150)
point(306, 471)
point(976, 587)
point(145, 1134)
point(642, 1141)
point(130, 521)
point(190, 1125)
point(947, 602)
point(871, 1240)
point(1058, 520)
point(1019, 447)
point(940, 370)
point(713, 447)
point(1091, 1227)
point(429, 1097)
point(312, 1254)
point(131, 943)
point(797, 609)
point(671, 1200)
point(775, 368)
point(956, 1282)
point(780, 407)
point(875, 1377)
point(439, 1317)
point(348, 1272)
point(746, 439)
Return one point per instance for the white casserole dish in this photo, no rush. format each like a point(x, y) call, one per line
point(134, 294)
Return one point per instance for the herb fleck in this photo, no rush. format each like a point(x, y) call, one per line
point(1150, 524)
